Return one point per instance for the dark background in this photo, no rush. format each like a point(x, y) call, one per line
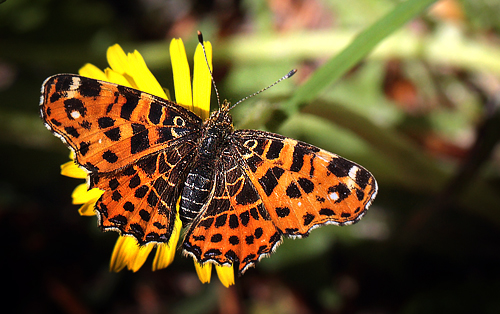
point(424, 121)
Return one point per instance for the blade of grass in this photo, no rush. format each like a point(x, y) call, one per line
point(359, 48)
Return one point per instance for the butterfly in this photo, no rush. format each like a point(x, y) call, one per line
point(240, 191)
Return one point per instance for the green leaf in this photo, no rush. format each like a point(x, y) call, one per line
point(359, 48)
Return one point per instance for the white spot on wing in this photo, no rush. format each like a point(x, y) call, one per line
point(75, 114)
point(333, 196)
point(353, 172)
point(75, 84)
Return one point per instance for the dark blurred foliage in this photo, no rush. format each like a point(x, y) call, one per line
point(426, 124)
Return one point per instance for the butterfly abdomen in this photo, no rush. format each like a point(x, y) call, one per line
point(195, 193)
point(199, 181)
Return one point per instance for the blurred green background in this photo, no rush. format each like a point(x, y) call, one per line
point(420, 111)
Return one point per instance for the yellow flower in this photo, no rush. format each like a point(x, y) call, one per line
point(131, 70)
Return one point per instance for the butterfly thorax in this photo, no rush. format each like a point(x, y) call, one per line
point(214, 139)
point(215, 134)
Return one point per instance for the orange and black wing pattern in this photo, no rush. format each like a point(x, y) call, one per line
point(268, 186)
point(136, 147)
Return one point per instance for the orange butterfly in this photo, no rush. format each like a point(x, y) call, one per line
point(240, 191)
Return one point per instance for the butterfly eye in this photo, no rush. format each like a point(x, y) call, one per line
point(250, 144)
point(178, 121)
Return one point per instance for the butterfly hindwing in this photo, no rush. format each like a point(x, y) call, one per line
point(234, 225)
point(140, 200)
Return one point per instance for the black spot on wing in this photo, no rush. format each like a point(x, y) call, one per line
point(326, 212)
point(141, 191)
point(113, 134)
point(269, 181)
point(139, 142)
point(72, 131)
point(137, 230)
point(84, 148)
point(245, 218)
point(105, 122)
point(73, 105)
point(306, 185)
point(135, 181)
point(247, 195)
point(254, 162)
point(274, 149)
point(132, 97)
point(282, 212)
point(362, 178)
point(342, 191)
point(55, 122)
point(298, 155)
point(221, 220)
point(292, 191)
point(155, 112)
point(234, 240)
point(216, 238)
point(86, 124)
point(308, 218)
point(116, 196)
point(360, 194)
point(128, 206)
point(89, 87)
point(113, 184)
point(233, 221)
point(110, 157)
point(207, 223)
point(212, 253)
point(340, 167)
point(152, 199)
point(144, 215)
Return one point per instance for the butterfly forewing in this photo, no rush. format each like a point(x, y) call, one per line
point(301, 185)
point(109, 126)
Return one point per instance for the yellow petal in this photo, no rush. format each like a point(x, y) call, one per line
point(70, 169)
point(117, 78)
point(225, 274)
point(165, 253)
point(121, 253)
point(128, 253)
point(142, 253)
point(204, 271)
point(90, 70)
point(202, 81)
point(81, 195)
point(117, 59)
point(88, 209)
point(142, 76)
point(182, 77)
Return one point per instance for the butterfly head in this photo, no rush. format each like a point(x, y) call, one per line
point(216, 131)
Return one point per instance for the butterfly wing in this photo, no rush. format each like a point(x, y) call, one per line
point(302, 186)
point(269, 186)
point(135, 146)
point(109, 126)
point(233, 225)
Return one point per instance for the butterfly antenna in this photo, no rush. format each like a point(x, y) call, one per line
point(200, 39)
point(290, 74)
